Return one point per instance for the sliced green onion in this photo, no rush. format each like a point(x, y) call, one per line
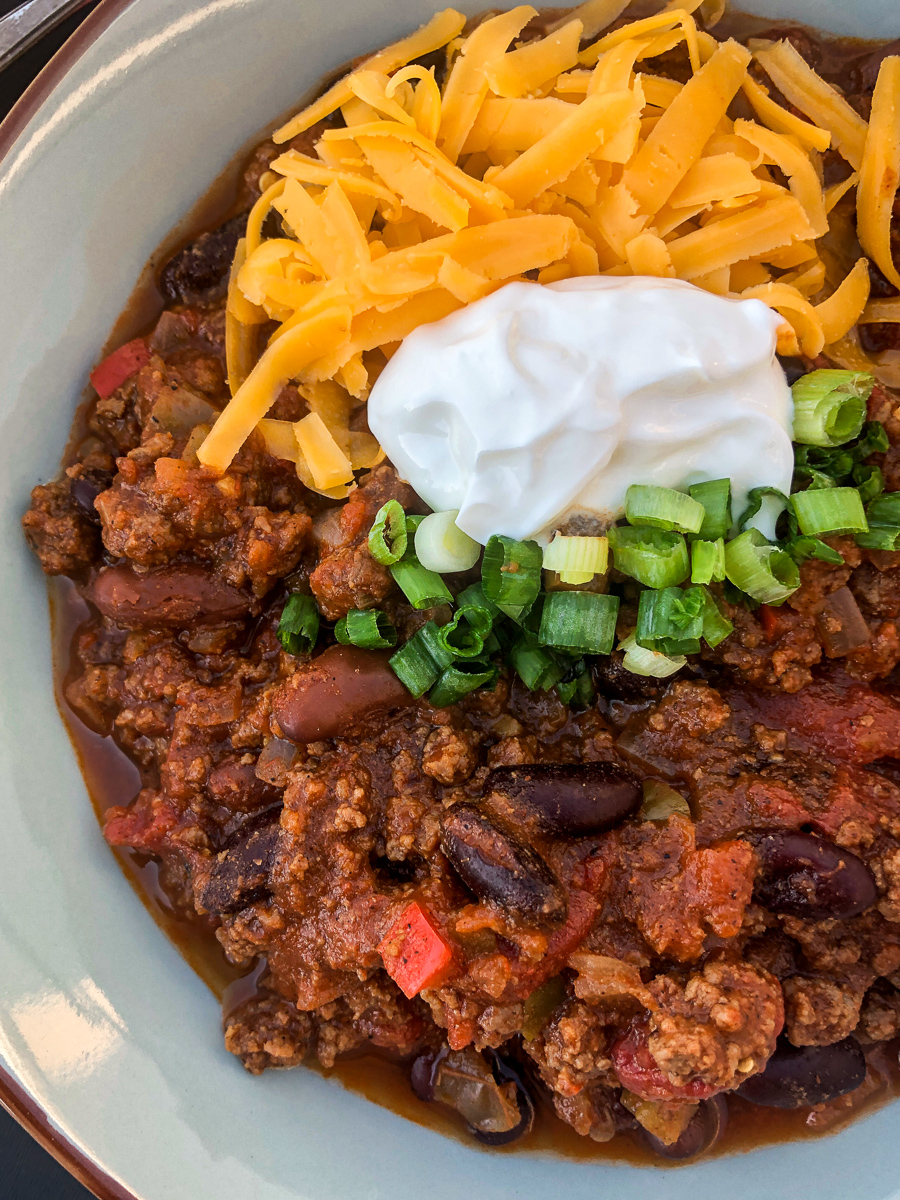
point(869, 482)
point(465, 635)
point(298, 628)
point(442, 546)
point(583, 621)
point(755, 499)
point(884, 509)
point(537, 667)
point(760, 569)
point(413, 521)
point(541, 1004)
point(716, 626)
point(576, 688)
point(662, 508)
point(880, 537)
point(830, 510)
point(368, 628)
point(655, 557)
point(715, 496)
point(474, 597)
point(801, 548)
point(460, 679)
point(670, 620)
point(511, 574)
point(387, 537)
point(830, 406)
point(873, 440)
point(708, 561)
point(640, 661)
point(577, 559)
point(421, 587)
point(419, 662)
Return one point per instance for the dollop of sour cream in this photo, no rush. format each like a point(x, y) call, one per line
point(538, 404)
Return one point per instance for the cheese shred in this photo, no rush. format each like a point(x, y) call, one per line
point(539, 159)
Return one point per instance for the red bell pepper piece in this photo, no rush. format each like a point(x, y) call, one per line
point(119, 366)
point(416, 954)
point(770, 622)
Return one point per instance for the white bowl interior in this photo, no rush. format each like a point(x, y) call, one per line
point(100, 1018)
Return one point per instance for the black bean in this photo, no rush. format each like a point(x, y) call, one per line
point(615, 683)
point(497, 867)
point(569, 798)
point(199, 272)
point(797, 1076)
point(240, 872)
point(703, 1131)
point(802, 875)
point(793, 368)
point(505, 1073)
point(84, 490)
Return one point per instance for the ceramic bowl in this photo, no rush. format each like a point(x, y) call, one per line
point(110, 1043)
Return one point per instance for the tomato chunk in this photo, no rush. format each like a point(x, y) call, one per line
point(119, 366)
point(416, 954)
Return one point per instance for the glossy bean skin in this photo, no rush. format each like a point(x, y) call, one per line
point(802, 875)
point(505, 1073)
point(176, 596)
point(498, 868)
point(705, 1129)
point(327, 696)
point(234, 784)
point(199, 272)
point(240, 873)
point(797, 1076)
point(572, 799)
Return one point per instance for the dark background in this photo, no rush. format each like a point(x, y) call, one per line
point(26, 1171)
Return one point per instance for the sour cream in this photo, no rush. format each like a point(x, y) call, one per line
point(539, 404)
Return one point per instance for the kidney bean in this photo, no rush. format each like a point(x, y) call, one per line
point(177, 595)
point(639, 1072)
point(240, 873)
point(330, 694)
point(705, 1128)
point(569, 798)
point(615, 683)
point(796, 1076)
point(199, 272)
point(497, 867)
point(802, 875)
point(235, 784)
point(84, 490)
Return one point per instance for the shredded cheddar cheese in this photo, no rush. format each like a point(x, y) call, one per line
point(549, 152)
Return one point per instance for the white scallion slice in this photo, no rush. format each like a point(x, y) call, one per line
point(640, 661)
point(577, 559)
point(442, 546)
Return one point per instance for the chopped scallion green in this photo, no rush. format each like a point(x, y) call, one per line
point(537, 667)
point(880, 537)
point(869, 481)
point(755, 499)
point(715, 496)
point(511, 574)
point(670, 620)
point(576, 688)
point(708, 561)
point(640, 661)
point(459, 679)
point(830, 406)
point(298, 628)
point(465, 635)
point(419, 662)
point(368, 628)
point(421, 587)
point(582, 621)
point(716, 626)
point(388, 537)
point(474, 596)
point(801, 548)
point(830, 510)
point(760, 569)
point(884, 509)
point(655, 557)
point(662, 508)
